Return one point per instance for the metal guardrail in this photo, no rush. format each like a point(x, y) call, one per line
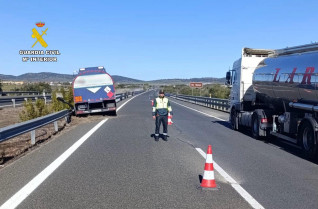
point(214, 103)
point(120, 97)
point(30, 125)
point(13, 101)
point(7, 93)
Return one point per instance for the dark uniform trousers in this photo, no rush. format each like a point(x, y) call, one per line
point(164, 121)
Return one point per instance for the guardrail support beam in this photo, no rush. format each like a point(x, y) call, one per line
point(33, 137)
point(55, 126)
point(13, 103)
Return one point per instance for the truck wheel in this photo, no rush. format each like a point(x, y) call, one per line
point(113, 113)
point(234, 122)
point(307, 139)
point(255, 127)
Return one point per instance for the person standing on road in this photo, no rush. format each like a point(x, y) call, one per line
point(161, 108)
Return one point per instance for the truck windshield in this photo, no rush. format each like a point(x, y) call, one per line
point(92, 80)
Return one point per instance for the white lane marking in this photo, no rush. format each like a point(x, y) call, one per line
point(25, 191)
point(233, 183)
point(199, 111)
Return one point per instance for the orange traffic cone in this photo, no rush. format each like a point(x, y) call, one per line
point(169, 119)
point(208, 181)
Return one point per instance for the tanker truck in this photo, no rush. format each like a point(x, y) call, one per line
point(94, 91)
point(274, 93)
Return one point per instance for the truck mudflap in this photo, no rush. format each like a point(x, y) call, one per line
point(261, 124)
point(79, 112)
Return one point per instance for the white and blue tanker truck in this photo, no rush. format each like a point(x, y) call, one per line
point(275, 93)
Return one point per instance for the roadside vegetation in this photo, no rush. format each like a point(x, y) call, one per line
point(132, 86)
point(208, 90)
point(38, 87)
point(36, 109)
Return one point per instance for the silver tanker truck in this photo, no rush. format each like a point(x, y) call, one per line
point(275, 93)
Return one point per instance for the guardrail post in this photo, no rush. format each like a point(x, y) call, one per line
point(68, 119)
point(13, 103)
point(33, 137)
point(55, 126)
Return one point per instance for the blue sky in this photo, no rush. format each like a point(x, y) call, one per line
point(151, 39)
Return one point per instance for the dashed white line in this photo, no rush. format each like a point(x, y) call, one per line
point(225, 175)
point(199, 111)
point(233, 183)
point(25, 191)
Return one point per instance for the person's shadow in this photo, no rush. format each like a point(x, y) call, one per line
point(160, 136)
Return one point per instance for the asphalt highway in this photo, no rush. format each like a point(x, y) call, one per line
point(121, 166)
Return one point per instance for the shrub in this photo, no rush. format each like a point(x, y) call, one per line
point(29, 111)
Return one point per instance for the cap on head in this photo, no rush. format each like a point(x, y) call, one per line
point(161, 92)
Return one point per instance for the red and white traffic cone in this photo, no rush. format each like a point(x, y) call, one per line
point(208, 181)
point(169, 119)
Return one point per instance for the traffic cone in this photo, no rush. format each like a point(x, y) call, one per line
point(208, 181)
point(169, 119)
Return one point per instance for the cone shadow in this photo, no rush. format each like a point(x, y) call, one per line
point(200, 178)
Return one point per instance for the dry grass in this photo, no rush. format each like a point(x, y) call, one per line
point(16, 146)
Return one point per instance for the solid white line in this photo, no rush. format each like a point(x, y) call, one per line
point(25, 191)
point(199, 111)
point(233, 183)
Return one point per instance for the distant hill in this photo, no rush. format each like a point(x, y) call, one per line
point(56, 77)
point(122, 79)
point(186, 81)
point(39, 77)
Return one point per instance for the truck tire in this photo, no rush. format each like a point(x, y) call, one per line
point(308, 140)
point(255, 127)
point(234, 122)
point(113, 113)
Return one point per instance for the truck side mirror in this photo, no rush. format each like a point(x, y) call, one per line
point(228, 76)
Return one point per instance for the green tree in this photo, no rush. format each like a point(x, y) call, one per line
point(67, 96)
point(42, 109)
point(39, 87)
point(218, 91)
point(29, 112)
point(56, 104)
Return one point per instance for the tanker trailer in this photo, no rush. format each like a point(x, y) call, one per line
point(275, 93)
point(94, 91)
